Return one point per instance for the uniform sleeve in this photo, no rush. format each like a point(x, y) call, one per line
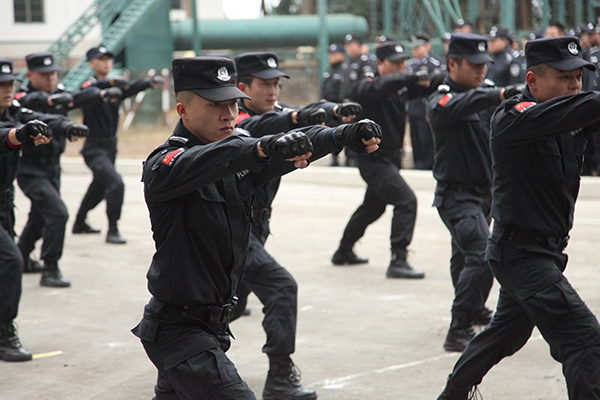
point(56, 122)
point(36, 100)
point(87, 97)
point(447, 108)
point(136, 86)
point(5, 146)
point(372, 90)
point(519, 121)
point(269, 123)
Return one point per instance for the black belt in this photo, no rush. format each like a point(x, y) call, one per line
point(214, 316)
point(472, 189)
point(41, 160)
point(520, 236)
point(260, 215)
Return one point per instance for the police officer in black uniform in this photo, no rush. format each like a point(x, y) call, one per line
point(459, 114)
point(333, 77)
point(421, 137)
point(503, 68)
point(198, 188)
point(39, 169)
point(100, 148)
point(537, 143)
point(18, 126)
point(272, 283)
point(383, 99)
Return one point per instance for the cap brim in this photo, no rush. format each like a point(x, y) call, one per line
point(571, 64)
point(50, 68)
point(481, 58)
point(108, 53)
point(270, 74)
point(417, 43)
point(6, 78)
point(221, 94)
point(395, 57)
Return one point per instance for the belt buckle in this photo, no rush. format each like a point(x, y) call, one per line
point(227, 311)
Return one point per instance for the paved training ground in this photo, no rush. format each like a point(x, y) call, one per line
point(360, 335)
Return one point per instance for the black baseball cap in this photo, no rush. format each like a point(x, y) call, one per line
point(337, 48)
point(383, 39)
point(6, 71)
point(353, 37)
point(211, 78)
point(465, 22)
point(472, 47)
point(535, 35)
point(260, 65)
point(419, 39)
point(390, 51)
point(41, 62)
point(499, 32)
point(97, 52)
point(562, 53)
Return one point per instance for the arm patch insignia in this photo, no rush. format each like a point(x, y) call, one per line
point(442, 102)
point(171, 156)
point(524, 105)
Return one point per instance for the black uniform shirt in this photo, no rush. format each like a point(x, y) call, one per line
point(505, 70)
point(199, 198)
point(332, 83)
point(357, 69)
point(431, 64)
point(460, 121)
point(537, 154)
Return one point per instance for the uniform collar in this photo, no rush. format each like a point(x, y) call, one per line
point(455, 87)
point(181, 130)
point(245, 109)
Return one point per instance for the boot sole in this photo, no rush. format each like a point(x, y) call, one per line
point(276, 396)
point(15, 359)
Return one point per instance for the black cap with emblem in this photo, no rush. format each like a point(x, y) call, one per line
point(562, 53)
point(260, 65)
point(390, 51)
point(353, 37)
point(6, 71)
point(472, 47)
point(419, 39)
point(499, 32)
point(97, 52)
point(211, 78)
point(41, 62)
point(337, 48)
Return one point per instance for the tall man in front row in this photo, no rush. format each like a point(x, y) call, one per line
point(198, 187)
point(537, 143)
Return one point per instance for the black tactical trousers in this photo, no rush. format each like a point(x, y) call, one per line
point(534, 292)
point(11, 264)
point(47, 217)
point(384, 186)
point(107, 183)
point(277, 290)
point(467, 217)
point(421, 139)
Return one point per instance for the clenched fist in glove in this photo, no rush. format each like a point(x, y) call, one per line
point(420, 76)
point(311, 116)
point(120, 82)
point(156, 80)
point(513, 90)
point(112, 93)
point(348, 109)
point(356, 136)
point(286, 145)
point(64, 99)
point(74, 131)
point(29, 133)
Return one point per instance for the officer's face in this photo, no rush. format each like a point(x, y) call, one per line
point(45, 81)
point(209, 121)
point(335, 58)
point(7, 92)
point(496, 45)
point(552, 31)
point(353, 49)
point(101, 65)
point(387, 67)
point(264, 94)
point(467, 74)
point(553, 83)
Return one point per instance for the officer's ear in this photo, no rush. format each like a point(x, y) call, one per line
point(243, 87)
point(531, 78)
point(182, 110)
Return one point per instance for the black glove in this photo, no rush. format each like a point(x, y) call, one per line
point(112, 93)
point(419, 76)
point(76, 130)
point(119, 81)
point(351, 135)
point(513, 90)
point(311, 116)
point(156, 80)
point(286, 145)
point(63, 99)
point(347, 109)
point(26, 133)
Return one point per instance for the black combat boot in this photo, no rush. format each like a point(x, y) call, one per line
point(483, 316)
point(51, 276)
point(345, 255)
point(460, 332)
point(283, 381)
point(400, 268)
point(10, 346)
point(80, 226)
point(113, 235)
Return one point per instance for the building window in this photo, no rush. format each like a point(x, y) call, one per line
point(29, 10)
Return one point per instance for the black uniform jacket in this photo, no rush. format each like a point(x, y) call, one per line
point(332, 83)
point(460, 121)
point(37, 100)
point(103, 118)
point(505, 70)
point(537, 153)
point(199, 197)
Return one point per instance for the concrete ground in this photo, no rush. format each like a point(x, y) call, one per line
point(360, 335)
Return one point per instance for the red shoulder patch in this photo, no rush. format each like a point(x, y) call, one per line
point(442, 102)
point(86, 84)
point(19, 95)
point(242, 116)
point(169, 158)
point(524, 105)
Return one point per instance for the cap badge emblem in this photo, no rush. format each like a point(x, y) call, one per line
point(6, 69)
point(572, 47)
point(399, 49)
point(272, 63)
point(223, 74)
point(102, 49)
point(481, 47)
point(47, 61)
